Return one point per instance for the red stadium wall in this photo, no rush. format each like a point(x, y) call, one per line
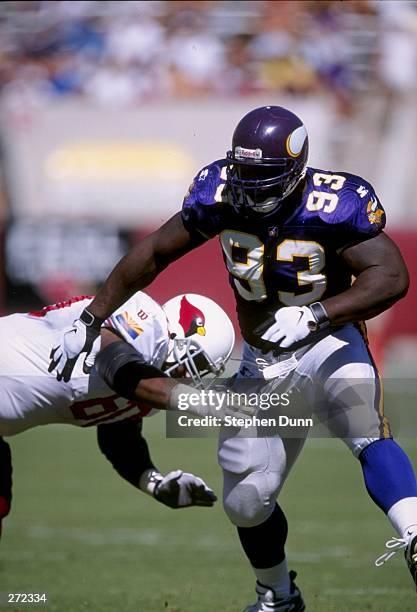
point(402, 318)
point(400, 321)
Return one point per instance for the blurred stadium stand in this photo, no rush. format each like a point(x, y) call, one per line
point(109, 108)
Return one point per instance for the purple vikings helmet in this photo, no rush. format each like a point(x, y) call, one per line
point(268, 158)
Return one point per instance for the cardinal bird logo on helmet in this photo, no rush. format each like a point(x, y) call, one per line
point(192, 320)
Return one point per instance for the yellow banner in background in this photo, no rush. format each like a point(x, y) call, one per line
point(118, 161)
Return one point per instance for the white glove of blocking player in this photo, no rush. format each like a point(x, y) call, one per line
point(82, 337)
point(180, 489)
point(292, 324)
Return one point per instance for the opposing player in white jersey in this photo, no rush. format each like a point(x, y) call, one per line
point(138, 341)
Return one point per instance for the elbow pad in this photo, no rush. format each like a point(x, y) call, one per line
point(122, 368)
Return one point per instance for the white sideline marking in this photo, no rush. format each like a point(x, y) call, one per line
point(148, 537)
point(367, 591)
point(135, 537)
point(336, 552)
point(154, 537)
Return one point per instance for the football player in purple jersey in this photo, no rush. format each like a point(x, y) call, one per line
point(293, 237)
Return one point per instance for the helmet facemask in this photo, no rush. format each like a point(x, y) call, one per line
point(197, 363)
point(261, 186)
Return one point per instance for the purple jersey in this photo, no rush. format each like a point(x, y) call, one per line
point(290, 257)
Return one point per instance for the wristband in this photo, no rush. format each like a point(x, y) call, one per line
point(91, 320)
point(149, 481)
point(321, 318)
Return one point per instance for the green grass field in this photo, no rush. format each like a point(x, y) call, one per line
point(92, 542)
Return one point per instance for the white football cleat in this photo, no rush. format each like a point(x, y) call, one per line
point(268, 601)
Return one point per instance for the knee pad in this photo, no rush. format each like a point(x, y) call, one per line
point(250, 501)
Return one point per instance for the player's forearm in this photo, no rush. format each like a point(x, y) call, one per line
point(169, 394)
point(156, 392)
point(122, 369)
point(374, 291)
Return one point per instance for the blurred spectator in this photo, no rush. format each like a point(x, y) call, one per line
point(240, 75)
point(121, 53)
point(134, 40)
point(398, 47)
point(196, 55)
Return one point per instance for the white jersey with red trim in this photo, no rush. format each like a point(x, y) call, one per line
point(31, 396)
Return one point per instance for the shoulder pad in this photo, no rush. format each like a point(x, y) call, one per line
point(142, 323)
point(206, 187)
point(345, 200)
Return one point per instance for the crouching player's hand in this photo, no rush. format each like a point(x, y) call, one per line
point(178, 489)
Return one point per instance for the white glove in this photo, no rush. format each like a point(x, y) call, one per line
point(82, 337)
point(180, 489)
point(292, 324)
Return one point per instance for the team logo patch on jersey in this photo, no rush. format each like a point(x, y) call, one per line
point(374, 213)
point(191, 319)
point(129, 325)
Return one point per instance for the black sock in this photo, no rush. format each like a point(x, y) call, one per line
point(264, 544)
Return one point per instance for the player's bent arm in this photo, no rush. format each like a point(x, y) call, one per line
point(135, 271)
point(126, 449)
point(138, 268)
point(381, 280)
point(122, 368)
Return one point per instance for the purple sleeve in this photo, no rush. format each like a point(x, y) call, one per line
point(358, 216)
point(201, 210)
